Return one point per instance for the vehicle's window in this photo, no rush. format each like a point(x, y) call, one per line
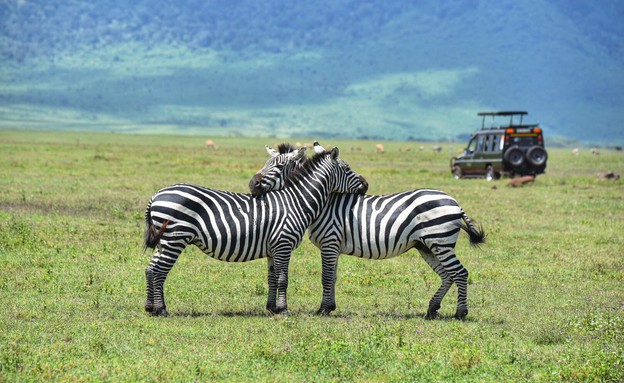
point(502, 143)
point(472, 146)
point(524, 140)
point(486, 145)
point(480, 141)
point(495, 140)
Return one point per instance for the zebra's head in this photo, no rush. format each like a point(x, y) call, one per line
point(277, 169)
point(343, 178)
point(348, 180)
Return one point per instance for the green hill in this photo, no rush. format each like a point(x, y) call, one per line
point(403, 70)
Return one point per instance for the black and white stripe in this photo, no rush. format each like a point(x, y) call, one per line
point(382, 227)
point(234, 227)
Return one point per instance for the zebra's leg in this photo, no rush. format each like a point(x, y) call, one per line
point(446, 255)
point(329, 261)
point(272, 279)
point(149, 280)
point(447, 282)
point(161, 264)
point(461, 280)
point(281, 270)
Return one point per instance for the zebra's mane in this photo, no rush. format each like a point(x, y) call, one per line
point(308, 167)
point(285, 148)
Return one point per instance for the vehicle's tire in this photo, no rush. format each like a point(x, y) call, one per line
point(536, 156)
point(514, 156)
point(489, 173)
point(457, 172)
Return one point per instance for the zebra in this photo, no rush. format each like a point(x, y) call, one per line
point(235, 227)
point(382, 227)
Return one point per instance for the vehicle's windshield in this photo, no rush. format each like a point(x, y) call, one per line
point(472, 146)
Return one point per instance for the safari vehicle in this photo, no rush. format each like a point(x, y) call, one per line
point(504, 145)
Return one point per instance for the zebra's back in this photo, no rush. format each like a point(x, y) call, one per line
point(379, 227)
point(228, 226)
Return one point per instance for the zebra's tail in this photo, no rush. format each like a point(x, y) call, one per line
point(152, 233)
point(477, 235)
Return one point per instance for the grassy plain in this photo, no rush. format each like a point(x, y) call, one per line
point(545, 294)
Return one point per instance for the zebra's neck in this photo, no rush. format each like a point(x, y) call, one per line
point(309, 189)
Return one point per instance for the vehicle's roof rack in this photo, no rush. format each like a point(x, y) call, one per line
point(511, 115)
point(523, 113)
point(517, 126)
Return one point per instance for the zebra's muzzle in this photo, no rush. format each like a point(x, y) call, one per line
point(255, 185)
point(364, 187)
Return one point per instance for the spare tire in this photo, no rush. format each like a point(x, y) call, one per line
point(537, 156)
point(514, 156)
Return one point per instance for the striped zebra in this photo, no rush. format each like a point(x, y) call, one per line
point(235, 227)
point(382, 227)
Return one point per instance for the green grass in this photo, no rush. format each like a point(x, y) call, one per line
point(545, 294)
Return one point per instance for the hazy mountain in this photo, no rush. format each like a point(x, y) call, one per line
point(343, 68)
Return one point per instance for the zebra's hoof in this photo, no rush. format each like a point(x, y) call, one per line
point(277, 310)
point(431, 314)
point(160, 312)
point(432, 311)
point(280, 312)
point(271, 308)
point(325, 310)
point(461, 314)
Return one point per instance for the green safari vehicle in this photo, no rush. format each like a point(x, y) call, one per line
point(503, 146)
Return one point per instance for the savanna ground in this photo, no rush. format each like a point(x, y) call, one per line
point(545, 294)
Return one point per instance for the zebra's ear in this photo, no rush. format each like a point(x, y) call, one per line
point(318, 148)
point(299, 154)
point(334, 153)
point(272, 152)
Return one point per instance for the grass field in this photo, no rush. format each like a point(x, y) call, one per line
point(545, 294)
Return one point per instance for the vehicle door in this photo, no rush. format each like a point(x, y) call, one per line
point(492, 151)
point(469, 159)
point(479, 156)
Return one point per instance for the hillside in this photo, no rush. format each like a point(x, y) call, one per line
point(403, 70)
